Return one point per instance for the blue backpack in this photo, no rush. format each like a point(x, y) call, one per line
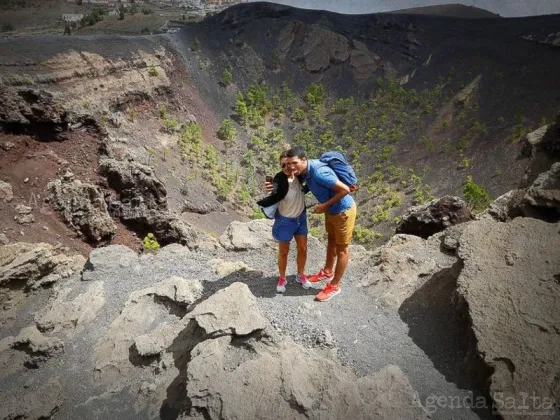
point(343, 170)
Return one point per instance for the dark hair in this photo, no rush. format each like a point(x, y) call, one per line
point(296, 151)
point(283, 155)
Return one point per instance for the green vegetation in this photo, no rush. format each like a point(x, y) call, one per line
point(7, 27)
point(227, 132)
point(150, 243)
point(227, 78)
point(96, 15)
point(476, 196)
point(196, 47)
point(153, 71)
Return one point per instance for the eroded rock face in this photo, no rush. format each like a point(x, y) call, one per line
point(363, 61)
point(134, 182)
point(322, 47)
point(28, 105)
point(142, 205)
point(510, 285)
point(35, 265)
point(83, 208)
point(434, 217)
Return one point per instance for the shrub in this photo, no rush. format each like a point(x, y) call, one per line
point(153, 72)
point(227, 77)
point(227, 131)
point(257, 214)
point(362, 235)
point(67, 30)
point(315, 95)
point(147, 11)
point(150, 243)
point(196, 47)
point(7, 27)
point(477, 197)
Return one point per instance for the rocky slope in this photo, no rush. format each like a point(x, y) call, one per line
point(468, 314)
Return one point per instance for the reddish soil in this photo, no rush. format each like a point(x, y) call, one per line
point(42, 162)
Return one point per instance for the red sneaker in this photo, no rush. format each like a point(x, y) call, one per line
point(320, 276)
point(327, 293)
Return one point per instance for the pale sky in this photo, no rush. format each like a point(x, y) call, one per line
point(506, 8)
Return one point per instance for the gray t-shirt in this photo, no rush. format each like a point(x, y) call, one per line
point(294, 203)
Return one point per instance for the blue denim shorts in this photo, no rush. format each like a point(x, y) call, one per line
point(285, 228)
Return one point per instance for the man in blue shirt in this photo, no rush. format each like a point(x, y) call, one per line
point(340, 216)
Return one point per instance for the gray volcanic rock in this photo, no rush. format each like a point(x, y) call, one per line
point(83, 208)
point(510, 284)
point(434, 217)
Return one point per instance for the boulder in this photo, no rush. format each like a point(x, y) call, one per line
point(541, 200)
point(71, 314)
point(35, 265)
point(403, 265)
point(83, 208)
point(134, 182)
point(103, 262)
point(41, 403)
point(232, 310)
point(242, 236)
point(30, 348)
point(434, 217)
point(224, 268)
point(4, 239)
point(506, 207)
point(543, 196)
point(6, 193)
point(509, 286)
point(23, 215)
point(542, 147)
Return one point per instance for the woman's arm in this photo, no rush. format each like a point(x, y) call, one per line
point(281, 187)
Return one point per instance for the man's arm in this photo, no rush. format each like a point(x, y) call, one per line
point(340, 189)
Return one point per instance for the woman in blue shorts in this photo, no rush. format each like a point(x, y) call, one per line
point(290, 222)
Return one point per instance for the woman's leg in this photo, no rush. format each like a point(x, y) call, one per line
point(301, 242)
point(283, 250)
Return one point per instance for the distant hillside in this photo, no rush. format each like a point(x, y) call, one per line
point(449, 10)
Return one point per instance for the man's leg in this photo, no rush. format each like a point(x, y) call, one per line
point(342, 255)
point(301, 242)
point(331, 254)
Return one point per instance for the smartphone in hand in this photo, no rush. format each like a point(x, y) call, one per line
point(268, 178)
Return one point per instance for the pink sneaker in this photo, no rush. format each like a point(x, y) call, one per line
point(303, 281)
point(281, 286)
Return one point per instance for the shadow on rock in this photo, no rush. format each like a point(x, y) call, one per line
point(443, 334)
point(177, 401)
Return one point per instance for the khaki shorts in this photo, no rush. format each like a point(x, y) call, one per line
point(341, 226)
